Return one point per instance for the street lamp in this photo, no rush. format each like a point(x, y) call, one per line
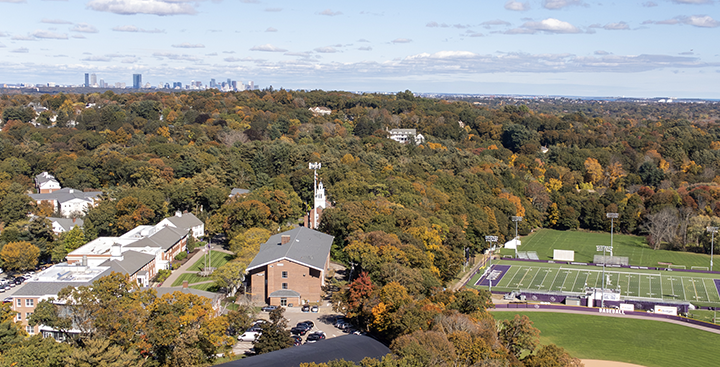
point(712, 231)
point(612, 217)
point(516, 219)
point(490, 240)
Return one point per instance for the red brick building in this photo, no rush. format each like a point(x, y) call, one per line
point(290, 268)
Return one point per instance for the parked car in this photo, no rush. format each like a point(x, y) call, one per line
point(314, 308)
point(302, 328)
point(305, 308)
point(339, 320)
point(342, 325)
point(308, 322)
point(269, 308)
point(314, 337)
point(296, 340)
point(19, 280)
point(249, 336)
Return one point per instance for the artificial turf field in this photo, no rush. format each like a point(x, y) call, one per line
point(544, 241)
point(665, 285)
point(645, 342)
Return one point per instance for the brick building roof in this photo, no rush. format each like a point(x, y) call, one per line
point(305, 246)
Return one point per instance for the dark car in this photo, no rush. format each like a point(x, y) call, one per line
point(296, 340)
point(305, 308)
point(19, 280)
point(314, 309)
point(299, 330)
point(309, 323)
point(314, 337)
point(269, 308)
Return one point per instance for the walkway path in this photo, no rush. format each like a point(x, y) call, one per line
point(482, 259)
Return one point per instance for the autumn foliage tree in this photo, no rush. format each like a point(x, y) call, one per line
point(19, 256)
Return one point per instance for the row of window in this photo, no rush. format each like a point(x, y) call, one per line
point(27, 316)
point(28, 302)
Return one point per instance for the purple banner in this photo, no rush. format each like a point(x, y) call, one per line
point(496, 273)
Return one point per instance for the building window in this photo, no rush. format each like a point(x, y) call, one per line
point(30, 329)
point(19, 316)
point(283, 301)
point(284, 286)
point(29, 302)
point(27, 315)
point(19, 302)
point(284, 274)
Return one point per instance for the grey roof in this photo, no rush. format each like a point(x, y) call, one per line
point(38, 289)
point(67, 194)
point(353, 348)
point(165, 290)
point(187, 221)
point(237, 191)
point(131, 263)
point(306, 246)
point(164, 238)
point(403, 131)
point(287, 293)
point(67, 223)
point(44, 177)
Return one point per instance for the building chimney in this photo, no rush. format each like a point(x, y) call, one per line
point(284, 239)
point(74, 219)
point(84, 260)
point(178, 214)
point(116, 252)
point(185, 284)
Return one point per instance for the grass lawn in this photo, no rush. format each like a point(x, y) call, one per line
point(191, 278)
point(218, 259)
point(584, 244)
point(210, 287)
point(645, 342)
point(704, 315)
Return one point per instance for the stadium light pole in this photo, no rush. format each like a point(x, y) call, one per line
point(516, 219)
point(712, 231)
point(612, 217)
point(490, 240)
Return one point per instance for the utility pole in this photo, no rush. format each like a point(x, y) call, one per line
point(612, 217)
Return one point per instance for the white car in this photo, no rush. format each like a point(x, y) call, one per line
point(249, 336)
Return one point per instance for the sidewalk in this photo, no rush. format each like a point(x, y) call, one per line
point(482, 260)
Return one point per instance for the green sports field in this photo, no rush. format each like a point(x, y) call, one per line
point(645, 342)
point(584, 244)
point(697, 288)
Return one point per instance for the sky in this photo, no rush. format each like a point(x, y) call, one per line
point(658, 48)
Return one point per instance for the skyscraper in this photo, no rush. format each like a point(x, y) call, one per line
point(93, 80)
point(87, 80)
point(137, 81)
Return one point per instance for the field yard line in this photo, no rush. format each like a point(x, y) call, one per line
point(650, 285)
point(521, 279)
point(683, 288)
point(672, 286)
point(562, 286)
point(553, 282)
point(693, 282)
point(511, 277)
point(545, 277)
point(706, 293)
point(577, 274)
point(661, 290)
point(628, 284)
point(534, 276)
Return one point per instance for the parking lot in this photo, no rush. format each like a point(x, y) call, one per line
point(323, 320)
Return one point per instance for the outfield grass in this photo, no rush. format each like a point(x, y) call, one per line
point(218, 259)
point(584, 244)
point(645, 342)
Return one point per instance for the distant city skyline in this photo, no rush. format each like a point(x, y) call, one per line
point(539, 47)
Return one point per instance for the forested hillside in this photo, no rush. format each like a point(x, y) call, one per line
point(403, 214)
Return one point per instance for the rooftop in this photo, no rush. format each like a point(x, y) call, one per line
point(305, 246)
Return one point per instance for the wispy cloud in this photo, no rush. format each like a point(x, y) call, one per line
point(516, 6)
point(176, 57)
point(326, 50)
point(12, 1)
point(619, 26)
point(20, 37)
point(273, 10)
point(84, 28)
point(365, 48)
point(268, 48)
point(55, 21)
point(494, 23)
point(401, 40)
point(694, 2)
point(271, 29)
point(330, 13)
point(702, 21)
point(188, 45)
point(132, 28)
point(649, 4)
point(559, 4)
point(550, 25)
point(21, 50)
point(154, 7)
point(49, 35)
